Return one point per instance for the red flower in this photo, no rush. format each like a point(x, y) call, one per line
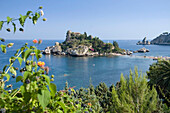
point(35, 41)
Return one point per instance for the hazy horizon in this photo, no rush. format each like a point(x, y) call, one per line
point(108, 20)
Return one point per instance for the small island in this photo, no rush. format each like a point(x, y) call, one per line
point(143, 42)
point(77, 44)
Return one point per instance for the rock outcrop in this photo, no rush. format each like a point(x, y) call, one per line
point(143, 42)
point(80, 50)
point(163, 39)
point(56, 49)
point(142, 50)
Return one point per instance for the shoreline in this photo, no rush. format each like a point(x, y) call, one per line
point(152, 57)
point(118, 54)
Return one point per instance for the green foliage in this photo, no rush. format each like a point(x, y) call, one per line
point(134, 95)
point(108, 48)
point(89, 100)
point(116, 48)
point(115, 44)
point(95, 44)
point(104, 96)
point(22, 19)
point(44, 98)
point(159, 75)
point(3, 48)
point(36, 94)
point(1, 24)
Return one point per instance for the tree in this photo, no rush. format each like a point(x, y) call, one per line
point(108, 47)
point(159, 75)
point(134, 95)
point(104, 96)
point(85, 35)
point(115, 44)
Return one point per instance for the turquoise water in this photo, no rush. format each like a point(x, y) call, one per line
point(78, 70)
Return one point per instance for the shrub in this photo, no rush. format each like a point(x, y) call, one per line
point(134, 95)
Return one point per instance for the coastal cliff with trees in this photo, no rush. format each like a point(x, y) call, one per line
point(163, 39)
point(77, 44)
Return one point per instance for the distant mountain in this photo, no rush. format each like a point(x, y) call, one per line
point(163, 39)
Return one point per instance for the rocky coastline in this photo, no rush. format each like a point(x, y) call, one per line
point(80, 51)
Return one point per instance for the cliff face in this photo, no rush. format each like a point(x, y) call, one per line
point(163, 39)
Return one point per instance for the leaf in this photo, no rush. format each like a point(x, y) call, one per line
point(7, 76)
point(20, 60)
point(9, 20)
point(27, 97)
point(3, 47)
point(14, 26)
point(18, 78)
point(26, 74)
point(1, 24)
point(53, 89)
point(59, 111)
point(44, 98)
point(63, 106)
point(12, 59)
point(29, 67)
point(47, 79)
point(27, 53)
point(22, 20)
point(37, 15)
point(22, 55)
point(37, 52)
point(34, 20)
point(13, 71)
point(2, 103)
point(5, 68)
point(22, 90)
point(28, 13)
point(2, 39)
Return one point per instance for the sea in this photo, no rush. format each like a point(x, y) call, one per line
point(81, 71)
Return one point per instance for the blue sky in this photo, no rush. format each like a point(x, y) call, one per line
point(107, 19)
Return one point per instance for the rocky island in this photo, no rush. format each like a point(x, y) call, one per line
point(143, 42)
point(77, 44)
point(163, 39)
